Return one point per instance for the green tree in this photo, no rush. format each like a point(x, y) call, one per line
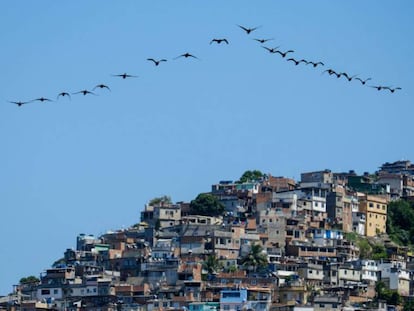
point(379, 252)
point(409, 305)
point(160, 200)
point(212, 264)
point(29, 280)
point(249, 176)
point(383, 293)
point(256, 258)
point(365, 250)
point(206, 204)
point(400, 222)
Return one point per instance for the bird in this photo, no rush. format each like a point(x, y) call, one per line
point(42, 99)
point(262, 40)
point(392, 90)
point(347, 76)
point(84, 92)
point(283, 54)
point(156, 62)
point(271, 50)
point(186, 55)
point(19, 103)
point(218, 41)
point(363, 81)
point(316, 64)
point(297, 62)
point(248, 30)
point(379, 87)
point(101, 86)
point(332, 72)
point(63, 94)
point(125, 75)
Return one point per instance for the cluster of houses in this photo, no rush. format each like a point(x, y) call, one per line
point(159, 263)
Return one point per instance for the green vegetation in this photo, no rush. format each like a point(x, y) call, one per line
point(212, 264)
point(29, 280)
point(162, 199)
point(249, 176)
point(206, 204)
point(383, 293)
point(256, 258)
point(400, 222)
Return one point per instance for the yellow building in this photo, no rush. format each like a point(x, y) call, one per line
point(375, 209)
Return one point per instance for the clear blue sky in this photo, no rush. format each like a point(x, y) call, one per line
point(89, 164)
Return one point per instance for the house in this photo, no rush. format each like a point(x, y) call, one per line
point(375, 209)
point(233, 300)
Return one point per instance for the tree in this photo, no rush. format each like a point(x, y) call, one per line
point(206, 204)
point(256, 258)
point(212, 264)
point(165, 199)
point(29, 280)
point(383, 293)
point(250, 176)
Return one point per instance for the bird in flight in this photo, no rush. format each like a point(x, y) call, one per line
point(392, 90)
point(42, 99)
point(363, 81)
point(248, 30)
point(271, 50)
point(186, 55)
point(218, 41)
point(262, 40)
point(101, 86)
point(283, 54)
point(19, 103)
point(316, 64)
point(156, 62)
point(349, 78)
point(379, 87)
point(63, 94)
point(125, 75)
point(84, 92)
point(332, 72)
point(297, 62)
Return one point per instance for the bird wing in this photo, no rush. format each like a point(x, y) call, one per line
point(152, 60)
point(244, 28)
point(225, 40)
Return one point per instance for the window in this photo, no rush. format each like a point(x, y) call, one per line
point(371, 204)
point(55, 291)
point(226, 307)
point(45, 292)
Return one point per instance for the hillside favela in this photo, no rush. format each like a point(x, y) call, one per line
point(329, 241)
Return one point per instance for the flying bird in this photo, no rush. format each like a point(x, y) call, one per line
point(19, 103)
point(283, 54)
point(63, 94)
point(248, 30)
point(125, 75)
point(218, 41)
point(84, 92)
point(363, 81)
point(262, 40)
point(297, 62)
point(379, 87)
point(271, 50)
point(316, 64)
point(156, 62)
point(349, 78)
point(101, 86)
point(186, 55)
point(392, 90)
point(42, 99)
point(332, 72)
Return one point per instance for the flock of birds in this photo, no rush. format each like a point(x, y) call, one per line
point(248, 31)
